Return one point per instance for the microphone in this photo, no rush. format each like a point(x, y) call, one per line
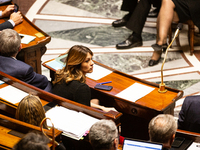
point(162, 84)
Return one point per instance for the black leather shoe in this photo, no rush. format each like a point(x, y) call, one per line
point(157, 48)
point(129, 43)
point(154, 62)
point(119, 23)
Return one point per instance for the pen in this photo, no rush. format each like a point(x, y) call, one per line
point(104, 82)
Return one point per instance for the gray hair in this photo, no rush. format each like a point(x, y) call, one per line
point(9, 42)
point(161, 128)
point(102, 134)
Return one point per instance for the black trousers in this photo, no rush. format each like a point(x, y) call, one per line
point(139, 12)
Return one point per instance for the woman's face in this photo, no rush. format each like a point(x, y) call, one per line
point(87, 64)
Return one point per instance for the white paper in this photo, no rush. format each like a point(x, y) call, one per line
point(98, 72)
point(73, 124)
point(194, 146)
point(1, 82)
point(26, 38)
point(12, 94)
point(135, 92)
point(55, 64)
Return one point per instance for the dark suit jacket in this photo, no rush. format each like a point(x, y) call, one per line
point(6, 25)
point(23, 72)
point(189, 116)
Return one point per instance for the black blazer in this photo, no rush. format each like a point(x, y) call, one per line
point(24, 72)
point(6, 25)
point(189, 116)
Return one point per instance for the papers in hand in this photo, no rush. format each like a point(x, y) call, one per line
point(12, 94)
point(135, 92)
point(73, 124)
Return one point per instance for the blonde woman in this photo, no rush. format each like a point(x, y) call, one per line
point(30, 110)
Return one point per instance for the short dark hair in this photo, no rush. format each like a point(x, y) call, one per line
point(9, 42)
point(32, 141)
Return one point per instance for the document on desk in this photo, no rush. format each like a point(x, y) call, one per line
point(55, 64)
point(73, 124)
point(26, 39)
point(135, 92)
point(194, 146)
point(12, 94)
point(98, 72)
point(1, 82)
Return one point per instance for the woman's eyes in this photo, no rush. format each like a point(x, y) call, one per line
point(88, 60)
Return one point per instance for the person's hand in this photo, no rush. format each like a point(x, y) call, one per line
point(107, 109)
point(16, 17)
point(8, 11)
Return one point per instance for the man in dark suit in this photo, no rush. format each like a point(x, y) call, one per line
point(162, 129)
point(10, 45)
point(15, 18)
point(134, 20)
point(189, 115)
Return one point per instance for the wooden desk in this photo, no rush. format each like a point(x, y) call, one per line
point(9, 109)
point(31, 53)
point(47, 97)
point(136, 115)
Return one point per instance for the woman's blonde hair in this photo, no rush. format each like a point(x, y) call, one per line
point(30, 110)
point(72, 70)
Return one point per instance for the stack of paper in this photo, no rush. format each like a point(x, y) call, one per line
point(73, 124)
point(15, 96)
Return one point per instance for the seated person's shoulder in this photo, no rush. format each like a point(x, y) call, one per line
point(12, 63)
point(193, 98)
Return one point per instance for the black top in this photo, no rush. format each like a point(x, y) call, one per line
point(188, 9)
point(74, 90)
